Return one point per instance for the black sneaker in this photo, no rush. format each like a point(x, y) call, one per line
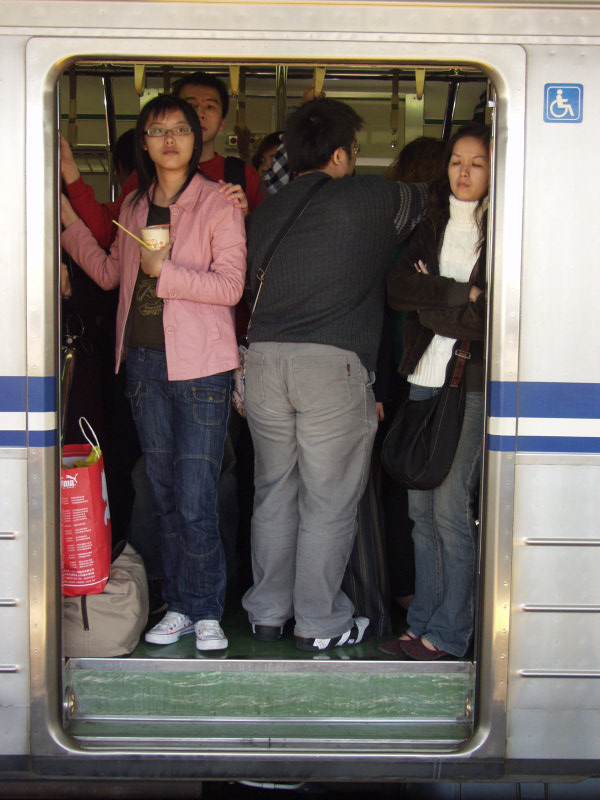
point(267, 633)
point(356, 634)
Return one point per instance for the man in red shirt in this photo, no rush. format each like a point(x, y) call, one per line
point(208, 96)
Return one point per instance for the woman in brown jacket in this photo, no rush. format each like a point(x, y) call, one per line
point(440, 281)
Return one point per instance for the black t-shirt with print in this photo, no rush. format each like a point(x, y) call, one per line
point(146, 308)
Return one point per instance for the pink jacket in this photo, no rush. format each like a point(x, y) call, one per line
point(200, 283)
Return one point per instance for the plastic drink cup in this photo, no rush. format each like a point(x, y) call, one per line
point(156, 236)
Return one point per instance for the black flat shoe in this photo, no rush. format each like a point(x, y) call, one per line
point(415, 649)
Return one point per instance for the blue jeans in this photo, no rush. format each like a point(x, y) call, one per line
point(445, 539)
point(182, 427)
point(143, 533)
point(312, 417)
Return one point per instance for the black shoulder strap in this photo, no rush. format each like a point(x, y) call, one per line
point(296, 213)
point(235, 171)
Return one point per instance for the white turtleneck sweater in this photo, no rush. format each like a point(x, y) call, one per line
point(458, 256)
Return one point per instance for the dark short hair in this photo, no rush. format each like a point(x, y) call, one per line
point(269, 141)
point(157, 107)
point(419, 160)
point(315, 131)
point(204, 79)
point(123, 151)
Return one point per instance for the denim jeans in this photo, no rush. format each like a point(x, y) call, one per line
point(182, 427)
point(143, 533)
point(312, 417)
point(445, 540)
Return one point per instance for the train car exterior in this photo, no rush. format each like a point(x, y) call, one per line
point(537, 679)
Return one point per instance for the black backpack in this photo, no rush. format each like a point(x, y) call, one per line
point(235, 171)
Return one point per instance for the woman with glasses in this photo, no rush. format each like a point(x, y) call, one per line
point(175, 325)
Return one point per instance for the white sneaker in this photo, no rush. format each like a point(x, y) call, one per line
point(171, 627)
point(209, 635)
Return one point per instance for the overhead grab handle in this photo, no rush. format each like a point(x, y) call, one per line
point(139, 78)
point(234, 80)
point(419, 82)
point(318, 80)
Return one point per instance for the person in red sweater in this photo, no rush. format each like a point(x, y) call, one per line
point(208, 96)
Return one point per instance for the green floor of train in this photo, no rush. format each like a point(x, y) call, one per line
point(243, 645)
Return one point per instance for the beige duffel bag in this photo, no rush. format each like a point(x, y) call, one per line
point(110, 623)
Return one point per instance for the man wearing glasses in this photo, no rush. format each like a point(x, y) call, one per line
point(314, 336)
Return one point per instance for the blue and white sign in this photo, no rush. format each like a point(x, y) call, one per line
point(563, 102)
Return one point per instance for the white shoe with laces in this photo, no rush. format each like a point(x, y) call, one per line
point(170, 629)
point(209, 635)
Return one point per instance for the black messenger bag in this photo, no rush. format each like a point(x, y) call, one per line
point(421, 443)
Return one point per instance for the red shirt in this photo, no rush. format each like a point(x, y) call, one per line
point(99, 217)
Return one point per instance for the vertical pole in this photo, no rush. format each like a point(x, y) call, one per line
point(281, 74)
point(450, 106)
point(111, 131)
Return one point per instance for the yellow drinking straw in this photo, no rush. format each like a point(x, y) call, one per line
point(123, 228)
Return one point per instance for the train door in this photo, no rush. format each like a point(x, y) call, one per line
point(399, 105)
point(259, 704)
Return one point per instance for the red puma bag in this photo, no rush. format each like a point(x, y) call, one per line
point(85, 518)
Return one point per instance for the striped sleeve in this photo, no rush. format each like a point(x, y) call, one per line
point(411, 205)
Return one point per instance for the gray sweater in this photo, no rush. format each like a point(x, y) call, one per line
point(326, 281)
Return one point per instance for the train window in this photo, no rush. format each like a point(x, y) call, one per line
point(258, 685)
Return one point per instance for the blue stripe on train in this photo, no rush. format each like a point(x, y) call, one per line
point(13, 439)
point(502, 399)
point(13, 394)
point(544, 400)
point(543, 444)
point(41, 394)
point(541, 400)
point(18, 393)
point(43, 438)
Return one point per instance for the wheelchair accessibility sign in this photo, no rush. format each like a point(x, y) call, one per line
point(563, 102)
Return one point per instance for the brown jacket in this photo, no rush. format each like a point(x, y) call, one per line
point(436, 304)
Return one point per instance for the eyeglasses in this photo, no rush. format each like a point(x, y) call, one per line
point(356, 148)
point(180, 130)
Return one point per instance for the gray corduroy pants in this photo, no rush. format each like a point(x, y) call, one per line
point(312, 417)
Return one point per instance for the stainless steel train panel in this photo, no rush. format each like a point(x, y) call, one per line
point(554, 678)
point(520, 48)
point(12, 218)
point(14, 606)
point(560, 284)
point(560, 500)
point(553, 734)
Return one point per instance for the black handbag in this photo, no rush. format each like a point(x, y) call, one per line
point(421, 443)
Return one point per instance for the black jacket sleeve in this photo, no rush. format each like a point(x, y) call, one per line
point(409, 290)
point(462, 322)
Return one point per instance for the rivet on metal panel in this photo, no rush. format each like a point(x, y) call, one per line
point(69, 702)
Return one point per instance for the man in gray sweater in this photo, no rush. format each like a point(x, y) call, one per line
point(314, 337)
